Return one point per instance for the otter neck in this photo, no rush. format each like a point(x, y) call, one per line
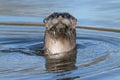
point(60, 40)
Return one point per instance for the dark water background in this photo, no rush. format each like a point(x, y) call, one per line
point(98, 52)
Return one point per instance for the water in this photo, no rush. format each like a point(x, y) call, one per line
point(98, 52)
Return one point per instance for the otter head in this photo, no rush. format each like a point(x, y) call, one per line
point(60, 35)
point(59, 21)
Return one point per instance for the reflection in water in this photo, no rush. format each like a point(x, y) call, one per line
point(65, 63)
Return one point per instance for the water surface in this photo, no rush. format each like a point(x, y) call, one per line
point(103, 13)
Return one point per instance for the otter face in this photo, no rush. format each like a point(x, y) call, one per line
point(59, 21)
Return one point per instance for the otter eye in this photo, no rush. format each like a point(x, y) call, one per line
point(51, 16)
point(67, 15)
point(63, 16)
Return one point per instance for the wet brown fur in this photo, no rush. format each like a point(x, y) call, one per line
point(60, 30)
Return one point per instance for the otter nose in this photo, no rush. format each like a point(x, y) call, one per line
point(60, 17)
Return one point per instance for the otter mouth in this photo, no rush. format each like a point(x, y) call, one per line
point(60, 22)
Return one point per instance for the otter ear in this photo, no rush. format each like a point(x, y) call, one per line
point(74, 23)
point(45, 20)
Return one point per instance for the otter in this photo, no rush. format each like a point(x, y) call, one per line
point(60, 35)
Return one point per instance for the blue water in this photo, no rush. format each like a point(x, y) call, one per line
point(103, 13)
point(98, 52)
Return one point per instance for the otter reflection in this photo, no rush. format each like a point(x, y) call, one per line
point(66, 63)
